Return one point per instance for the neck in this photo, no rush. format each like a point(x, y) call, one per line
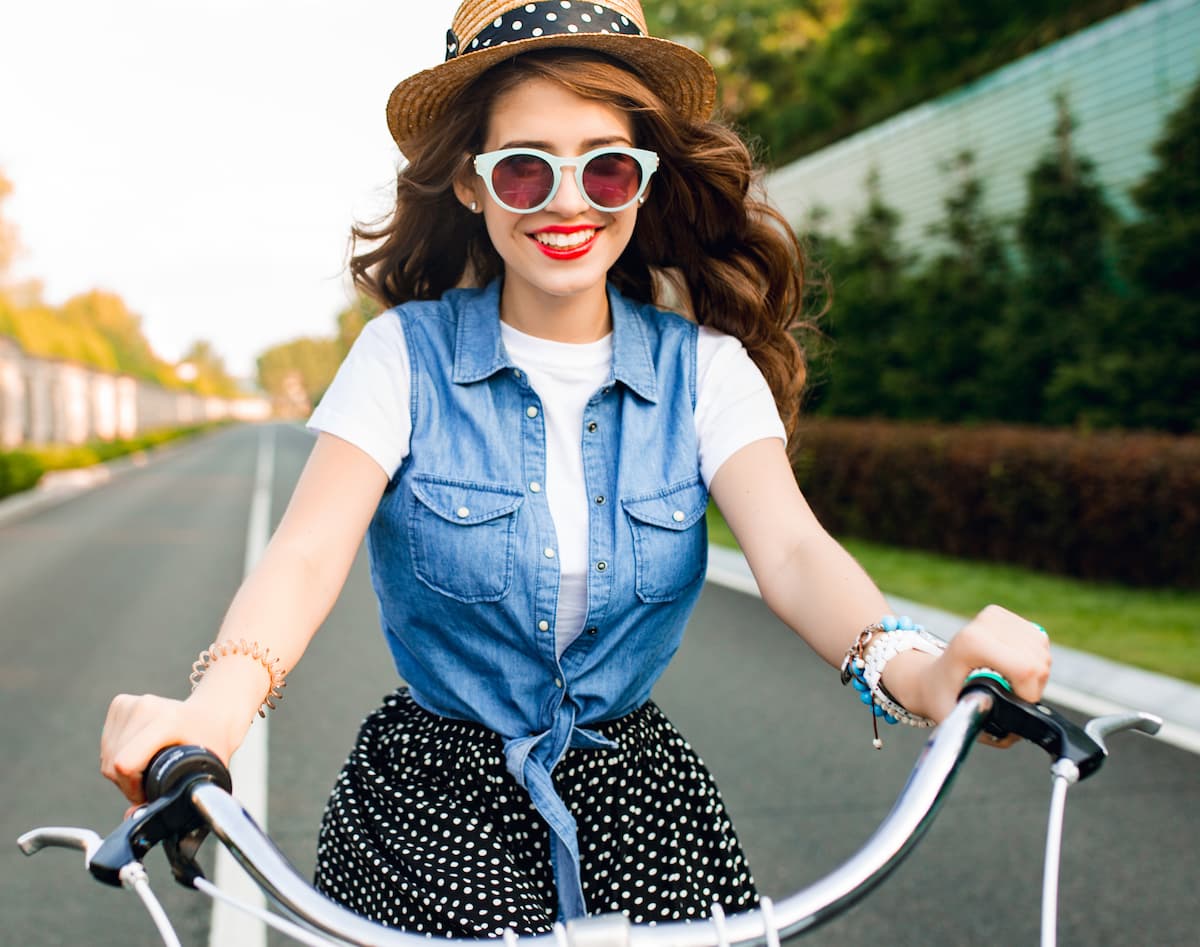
point(577, 318)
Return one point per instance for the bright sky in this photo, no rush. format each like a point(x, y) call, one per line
point(204, 159)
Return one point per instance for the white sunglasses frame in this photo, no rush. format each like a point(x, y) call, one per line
point(486, 163)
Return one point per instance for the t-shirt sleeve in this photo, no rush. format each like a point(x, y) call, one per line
point(368, 403)
point(734, 404)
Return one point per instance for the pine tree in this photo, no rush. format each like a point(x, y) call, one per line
point(1048, 347)
point(959, 296)
point(869, 299)
point(1155, 367)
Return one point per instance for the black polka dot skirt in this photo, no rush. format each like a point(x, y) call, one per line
point(426, 829)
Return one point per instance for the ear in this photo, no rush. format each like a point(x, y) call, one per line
point(469, 190)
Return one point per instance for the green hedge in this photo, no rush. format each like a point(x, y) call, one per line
point(1109, 506)
point(21, 470)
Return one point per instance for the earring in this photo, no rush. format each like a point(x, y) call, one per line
point(474, 207)
point(641, 200)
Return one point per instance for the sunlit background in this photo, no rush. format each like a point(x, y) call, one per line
point(203, 159)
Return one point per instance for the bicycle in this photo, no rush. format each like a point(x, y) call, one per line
point(189, 796)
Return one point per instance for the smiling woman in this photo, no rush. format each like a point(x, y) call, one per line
point(529, 441)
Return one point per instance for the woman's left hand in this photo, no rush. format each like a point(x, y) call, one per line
point(997, 639)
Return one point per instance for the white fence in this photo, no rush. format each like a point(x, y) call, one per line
point(46, 401)
point(1121, 77)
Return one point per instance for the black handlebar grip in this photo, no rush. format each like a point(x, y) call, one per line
point(173, 765)
point(167, 814)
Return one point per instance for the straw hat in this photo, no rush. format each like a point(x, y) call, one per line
point(486, 32)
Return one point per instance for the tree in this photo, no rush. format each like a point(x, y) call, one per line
point(122, 329)
point(296, 374)
point(1151, 354)
point(350, 321)
point(959, 297)
point(204, 371)
point(869, 301)
point(1045, 355)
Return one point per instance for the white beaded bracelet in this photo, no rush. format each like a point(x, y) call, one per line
point(866, 659)
point(881, 650)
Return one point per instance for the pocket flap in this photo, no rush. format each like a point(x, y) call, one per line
point(677, 508)
point(464, 502)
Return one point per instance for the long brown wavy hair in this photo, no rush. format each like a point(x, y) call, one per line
point(704, 243)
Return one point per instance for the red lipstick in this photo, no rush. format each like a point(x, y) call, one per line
point(565, 253)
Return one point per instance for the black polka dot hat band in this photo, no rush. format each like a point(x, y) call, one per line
point(487, 32)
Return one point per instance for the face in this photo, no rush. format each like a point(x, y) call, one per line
point(566, 248)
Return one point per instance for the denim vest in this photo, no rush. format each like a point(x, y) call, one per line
point(463, 551)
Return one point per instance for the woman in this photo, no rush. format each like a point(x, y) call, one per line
point(530, 445)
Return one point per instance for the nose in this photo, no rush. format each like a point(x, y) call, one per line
point(568, 200)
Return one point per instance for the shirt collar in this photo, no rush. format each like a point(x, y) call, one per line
point(479, 352)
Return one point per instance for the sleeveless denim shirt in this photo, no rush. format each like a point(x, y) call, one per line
point(464, 554)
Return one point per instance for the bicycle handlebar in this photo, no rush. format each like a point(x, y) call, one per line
point(190, 795)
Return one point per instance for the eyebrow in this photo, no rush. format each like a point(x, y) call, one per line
point(588, 145)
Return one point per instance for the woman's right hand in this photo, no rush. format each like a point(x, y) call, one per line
point(137, 727)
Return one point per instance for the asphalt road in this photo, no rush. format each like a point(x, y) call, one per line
point(119, 588)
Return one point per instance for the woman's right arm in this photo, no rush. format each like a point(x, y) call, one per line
point(280, 605)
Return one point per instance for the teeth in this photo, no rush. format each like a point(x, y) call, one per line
point(564, 241)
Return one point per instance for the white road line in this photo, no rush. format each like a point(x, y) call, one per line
point(249, 765)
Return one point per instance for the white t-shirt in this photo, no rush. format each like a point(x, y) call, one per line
point(368, 405)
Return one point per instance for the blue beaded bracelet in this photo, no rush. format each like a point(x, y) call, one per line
point(858, 661)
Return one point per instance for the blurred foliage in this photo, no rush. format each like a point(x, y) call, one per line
point(1080, 319)
point(350, 321)
point(207, 370)
point(295, 374)
point(799, 74)
point(21, 470)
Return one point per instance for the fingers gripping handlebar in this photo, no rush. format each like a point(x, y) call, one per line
point(167, 817)
point(1050, 730)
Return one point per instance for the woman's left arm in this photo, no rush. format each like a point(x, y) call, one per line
point(823, 594)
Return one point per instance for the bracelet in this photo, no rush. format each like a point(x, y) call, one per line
point(866, 659)
point(221, 649)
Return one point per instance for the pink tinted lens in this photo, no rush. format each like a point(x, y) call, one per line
point(522, 181)
point(612, 180)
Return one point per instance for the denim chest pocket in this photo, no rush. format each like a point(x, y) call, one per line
point(669, 539)
point(462, 535)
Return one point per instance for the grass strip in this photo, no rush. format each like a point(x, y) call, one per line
point(22, 469)
point(1154, 629)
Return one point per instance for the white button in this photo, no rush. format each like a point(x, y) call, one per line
point(463, 512)
point(535, 487)
point(517, 372)
point(531, 411)
point(558, 682)
point(678, 516)
point(548, 553)
point(543, 625)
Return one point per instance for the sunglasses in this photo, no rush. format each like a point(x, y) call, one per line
point(524, 180)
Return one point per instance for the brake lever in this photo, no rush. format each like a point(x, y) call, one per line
point(1039, 724)
point(168, 780)
point(35, 840)
point(1101, 727)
